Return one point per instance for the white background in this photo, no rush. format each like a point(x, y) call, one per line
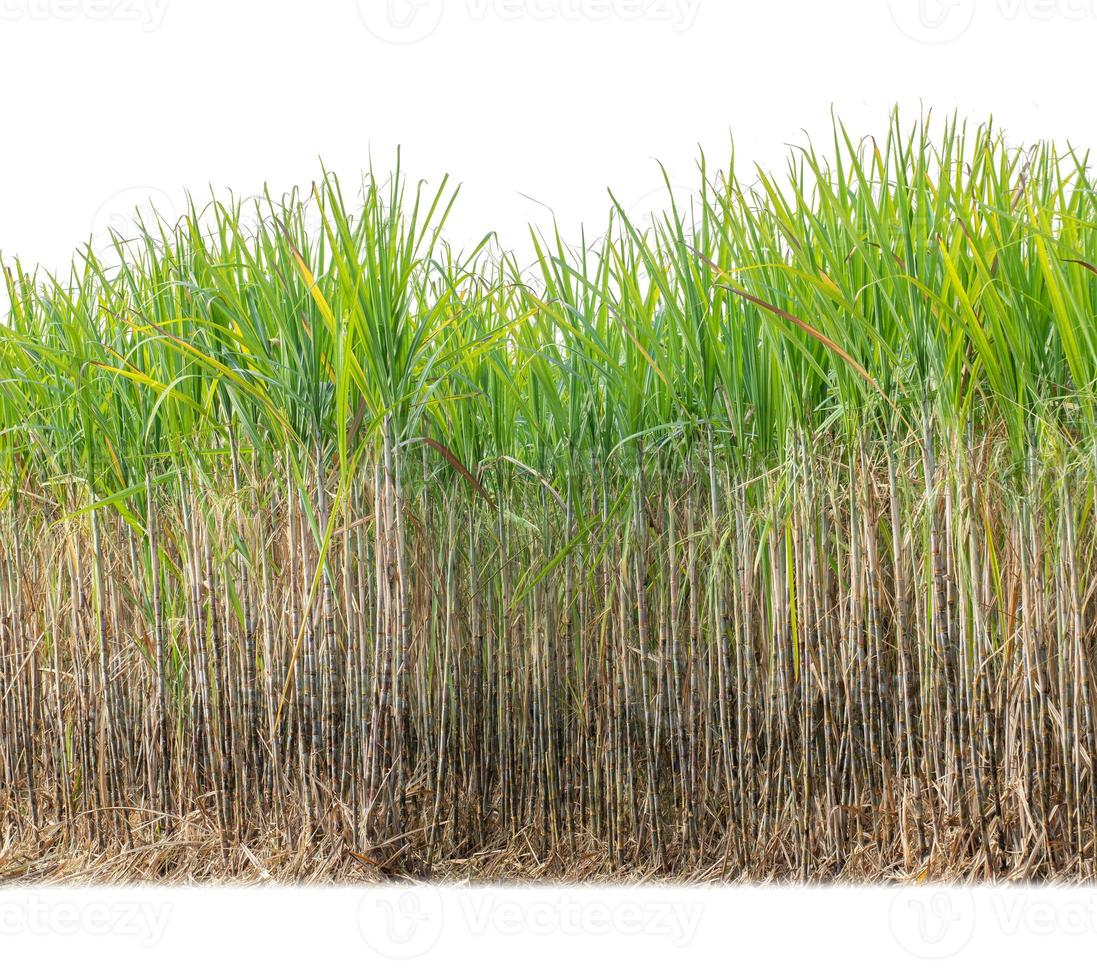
point(107, 103)
point(558, 934)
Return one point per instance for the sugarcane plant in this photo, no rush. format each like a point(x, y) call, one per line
point(753, 540)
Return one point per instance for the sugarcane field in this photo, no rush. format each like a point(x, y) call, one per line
point(746, 539)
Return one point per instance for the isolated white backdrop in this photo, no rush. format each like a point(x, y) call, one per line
point(107, 103)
